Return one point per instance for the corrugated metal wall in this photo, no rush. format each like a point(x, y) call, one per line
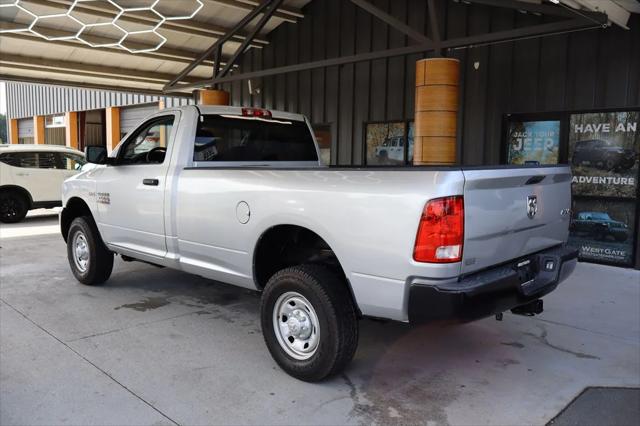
point(29, 99)
point(130, 117)
point(584, 70)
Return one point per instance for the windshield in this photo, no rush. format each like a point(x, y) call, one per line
point(240, 138)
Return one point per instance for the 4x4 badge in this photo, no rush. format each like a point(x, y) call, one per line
point(532, 206)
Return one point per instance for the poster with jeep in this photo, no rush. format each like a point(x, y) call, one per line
point(533, 141)
point(603, 230)
point(385, 143)
point(603, 151)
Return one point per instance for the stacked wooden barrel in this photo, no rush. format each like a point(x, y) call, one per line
point(437, 84)
point(213, 97)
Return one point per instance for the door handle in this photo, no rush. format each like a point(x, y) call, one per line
point(150, 182)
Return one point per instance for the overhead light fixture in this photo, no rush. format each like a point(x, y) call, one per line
point(555, 1)
point(124, 36)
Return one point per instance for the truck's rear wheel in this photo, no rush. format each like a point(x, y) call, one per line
point(13, 206)
point(309, 321)
point(90, 260)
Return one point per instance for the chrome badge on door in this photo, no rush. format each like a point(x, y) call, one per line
point(532, 206)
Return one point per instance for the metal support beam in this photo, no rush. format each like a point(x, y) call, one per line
point(207, 53)
point(287, 14)
point(273, 6)
point(392, 21)
point(80, 69)
point(434, 25)
point(541, 30)
point(543, 9)
point(162, 54)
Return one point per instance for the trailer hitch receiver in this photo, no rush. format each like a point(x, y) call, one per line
point(530, 309)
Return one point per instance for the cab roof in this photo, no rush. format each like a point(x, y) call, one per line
point(234, 110)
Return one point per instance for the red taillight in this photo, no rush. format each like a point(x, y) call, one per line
point(441, 231)
point(256, 112)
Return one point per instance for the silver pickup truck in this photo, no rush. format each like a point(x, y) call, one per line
point(239, 195)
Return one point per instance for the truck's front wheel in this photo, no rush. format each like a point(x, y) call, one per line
point(309, 321)
point(91, 262)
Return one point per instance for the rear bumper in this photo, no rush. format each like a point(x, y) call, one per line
point(492, 291)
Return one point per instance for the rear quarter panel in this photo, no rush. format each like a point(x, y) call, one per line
point(368, 217)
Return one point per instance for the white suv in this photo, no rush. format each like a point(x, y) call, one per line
point(31, 177)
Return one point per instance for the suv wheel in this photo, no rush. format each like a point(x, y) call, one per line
point(309, 321)
point(13, 207)
point(90, 260)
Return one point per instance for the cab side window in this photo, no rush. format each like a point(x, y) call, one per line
point(148, 145)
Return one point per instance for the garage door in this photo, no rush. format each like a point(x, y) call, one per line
point(25, 130)
point(131, 117)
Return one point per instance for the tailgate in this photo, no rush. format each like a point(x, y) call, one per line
point(512, 212)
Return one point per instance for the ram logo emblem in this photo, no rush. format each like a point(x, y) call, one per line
point(532, 206)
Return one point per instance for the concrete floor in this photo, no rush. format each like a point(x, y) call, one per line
point(155, 346)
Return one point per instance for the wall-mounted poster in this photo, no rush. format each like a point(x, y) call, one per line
point(322, 133)
point(385, 143)
point(533, 141)
point(410, 133)
point(603, 151)
point(603, 230)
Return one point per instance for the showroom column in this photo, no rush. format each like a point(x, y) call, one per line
point(436, 115)
point(213, 97)
point(112, 121)
point(38, 129)
point(71, 129)
point(12, 131)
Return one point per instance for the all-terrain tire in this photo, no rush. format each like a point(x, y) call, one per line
point(335, 313)
point(90, 260)
point(13, 206)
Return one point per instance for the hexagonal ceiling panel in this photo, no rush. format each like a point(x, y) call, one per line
point(102, 35)
point(169, 9)
point(128, 24)
point(14, 18)
point(81, 10)
point(135, 4)
point(47, 27)
point(139, 20)
point(145, 41)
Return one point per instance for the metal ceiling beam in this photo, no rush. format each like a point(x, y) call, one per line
point(189, 27)
point(287, 14)
point(162, 54)
point(433, 24)
point(266, 15)
point(543, 9)
point(207, 53)
point(79, 68)
point(392, 21)
point(26, 67)
point(615, 12)
point(541, 30)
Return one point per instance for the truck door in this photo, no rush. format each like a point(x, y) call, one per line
point(130, 194)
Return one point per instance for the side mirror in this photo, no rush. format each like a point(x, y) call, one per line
point(96, 154)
